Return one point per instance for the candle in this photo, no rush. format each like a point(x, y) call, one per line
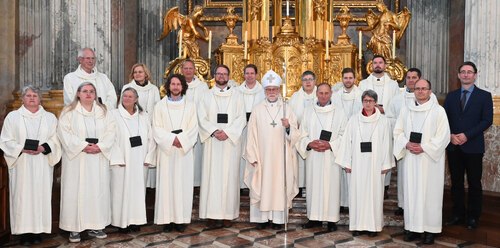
point(245, 55)
point(287, 8)
point(209, 44)
point(360, 52)
point(180, 43)
point(326, 45)
point(393, 44)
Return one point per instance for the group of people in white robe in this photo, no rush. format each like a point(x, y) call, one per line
point(223, 139)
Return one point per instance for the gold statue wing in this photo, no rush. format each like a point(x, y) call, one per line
point(402, 19)
point(171, 21)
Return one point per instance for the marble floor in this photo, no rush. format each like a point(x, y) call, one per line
point(243, 234)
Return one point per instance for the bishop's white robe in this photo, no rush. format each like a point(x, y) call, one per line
point(195, 92)
point(350, 103)
point(85, 184)
point(386, 90)
point(323, 174)
point(149, 95)
point(251, 97)
point(366, 197)
point(30, 176)
point(401, 101)
point(174, 194)
point(424, 173)
point(105, 89)
point(299, 101)
point(219, 192)
point(128, 194)
point(265, 146)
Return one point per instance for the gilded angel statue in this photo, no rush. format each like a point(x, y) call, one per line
point(382, 26)
point(189, 26)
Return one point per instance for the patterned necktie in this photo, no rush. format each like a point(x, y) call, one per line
point(463, 99)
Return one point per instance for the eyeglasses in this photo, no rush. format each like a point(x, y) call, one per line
point(272, 89)
point(88, 58)
point(221, 74)
point(368, 101)
point(467, 72)
point(421, 89)
point(307, 79)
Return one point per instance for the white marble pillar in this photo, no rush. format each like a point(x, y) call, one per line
point(427, 41)
point(482, 42)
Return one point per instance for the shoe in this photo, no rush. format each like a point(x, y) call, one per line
point(332, 227)
point(277, 226)
point(344, 210)
point(36, 239)
point(311, 224)
point(168, 227)
point(124, 230)
point(261, 226)
point(227, 223)
point(25, 239)
point(454, 221)
point(134, 228)
point(356, 233)
point(399, 212)
point(428, 238)
point(100, 234)
point(471, 223)
point(411, 236)
point(180, 227)
point(74, 237)
point(386, 192)
point(372, 234)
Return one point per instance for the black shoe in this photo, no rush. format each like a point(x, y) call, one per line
point(311, 224)
point(36, 239)
point(356, 233)
point(372, 234)
point(25, 239)
point(411, 236)
point(134, 228)
point(399, 212)
point(180, 227)
point(471, 223)
point(386, 194)
point(277, 226)
point(261, 226)
point(428, 238)
point(332, 227)
point(168, 227)
point(124, 230)
point(455, 221)
point(344, 210)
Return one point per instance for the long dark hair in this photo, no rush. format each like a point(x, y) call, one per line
point(183, 83)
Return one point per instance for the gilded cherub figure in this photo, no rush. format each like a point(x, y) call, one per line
point(189, 26)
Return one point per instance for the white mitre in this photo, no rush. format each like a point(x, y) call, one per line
point(271, 78)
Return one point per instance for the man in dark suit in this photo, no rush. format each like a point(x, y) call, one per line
point(470, 113)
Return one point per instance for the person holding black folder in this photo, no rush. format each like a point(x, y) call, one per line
point(87, 133)
point(421, 134)
point(366, 154)
point(321, 131)
point(31, 149)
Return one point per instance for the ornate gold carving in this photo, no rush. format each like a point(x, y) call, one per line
point(320, 7)
point(344, 17)
point(496, 110)
point(255, 8)
point(189, 25)
point(382, 26)
point(230, 18)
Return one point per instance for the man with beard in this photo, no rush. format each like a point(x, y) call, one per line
point(265, 173)
point(253, 94)
point(86, 72)
point(221, 117)
point(321, 131)
point(386, 90)
point(175, 129)
point(196, 89)
point(304, 97)
point(348, 98)
point(421, 135)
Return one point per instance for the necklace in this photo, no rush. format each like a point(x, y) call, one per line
point(273, 123)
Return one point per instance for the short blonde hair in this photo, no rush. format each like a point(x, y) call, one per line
point(146, 71)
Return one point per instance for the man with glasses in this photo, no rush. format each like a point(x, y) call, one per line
point(421, 135)
point(86, 72)
point(221, 116)
point(470, 113)
point(300, 100)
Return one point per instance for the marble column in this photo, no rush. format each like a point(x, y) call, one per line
point(156, 54)
point(427, 41)
point(482, 41)
point(7, 55)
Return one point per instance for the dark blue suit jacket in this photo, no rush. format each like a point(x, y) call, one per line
point(473, 121)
